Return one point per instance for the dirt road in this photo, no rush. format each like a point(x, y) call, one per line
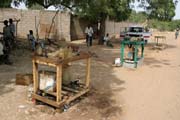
point(150, 92)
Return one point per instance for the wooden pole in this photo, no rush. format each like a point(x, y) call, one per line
point(58, 82)
point(88, 72)
point(35, 76)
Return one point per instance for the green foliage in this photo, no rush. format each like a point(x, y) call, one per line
point(99, 9)
point(164, 25)
point(46, 3)
point(163, 10)
point(36, 7)
point(137, 17)
point(154, 23)
point(5, 3)
point(43, 3)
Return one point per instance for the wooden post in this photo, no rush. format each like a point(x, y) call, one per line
point(35, 76)
point(88, 72)
point(58, 82)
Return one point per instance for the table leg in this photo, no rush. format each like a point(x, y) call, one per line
point(135, 56)
point(122, 54)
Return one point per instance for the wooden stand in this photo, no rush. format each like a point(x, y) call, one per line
point(160, 45)
point(136, 44)
point(64, 95)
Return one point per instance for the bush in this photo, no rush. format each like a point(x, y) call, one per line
point(137, 17)
point(153, 23)
point(164, 25)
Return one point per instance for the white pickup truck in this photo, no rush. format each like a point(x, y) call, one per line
point(136, 31)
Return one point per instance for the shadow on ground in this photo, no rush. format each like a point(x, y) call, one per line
point(151, 46)
point(5, 83)
point(21, 64)
point(155, 63)
point(104, 82)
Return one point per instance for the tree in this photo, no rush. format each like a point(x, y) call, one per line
point(46, 3)
point(163, 10)
point(99, 10)
point(5, 3)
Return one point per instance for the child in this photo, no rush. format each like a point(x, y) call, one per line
point(32, 40)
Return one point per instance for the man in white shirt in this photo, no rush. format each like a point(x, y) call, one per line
point(89, 35)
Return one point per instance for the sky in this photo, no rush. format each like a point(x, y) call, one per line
point(177, 11)
point(176, 17)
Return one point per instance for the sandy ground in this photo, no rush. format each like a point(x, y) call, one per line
point(150, 92)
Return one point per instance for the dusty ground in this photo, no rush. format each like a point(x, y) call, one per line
point(150, 92)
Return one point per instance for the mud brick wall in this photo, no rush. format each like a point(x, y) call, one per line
point(114, 28)
point(78, 26)
point(42, 19)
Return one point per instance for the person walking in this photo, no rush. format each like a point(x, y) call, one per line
point(177, 33)
point(89, 35)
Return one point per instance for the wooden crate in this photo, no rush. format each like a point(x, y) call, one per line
point(24, 79)
point(63, 94)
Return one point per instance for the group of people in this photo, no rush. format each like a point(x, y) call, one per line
point(89, 37)
point(7, 42)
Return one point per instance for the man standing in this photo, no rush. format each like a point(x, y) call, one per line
point(13, 30)
point(89, 35)
point(7, 36)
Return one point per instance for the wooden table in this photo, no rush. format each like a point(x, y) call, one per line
point(61, 97)
point(158, 37)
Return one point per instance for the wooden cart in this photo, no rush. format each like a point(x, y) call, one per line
point(62, 96)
